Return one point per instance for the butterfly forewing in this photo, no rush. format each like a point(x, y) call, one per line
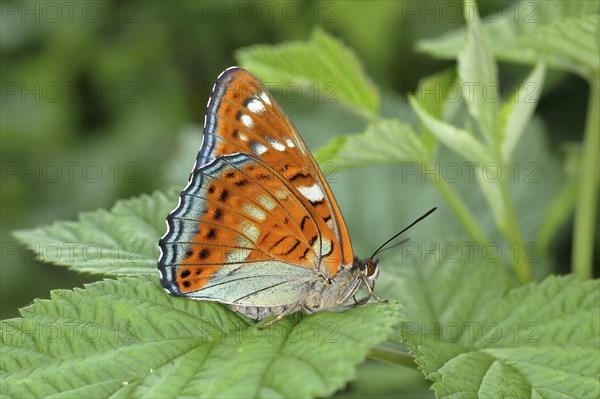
point(244, 117)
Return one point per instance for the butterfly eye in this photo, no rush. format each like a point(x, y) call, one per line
point(371, 267)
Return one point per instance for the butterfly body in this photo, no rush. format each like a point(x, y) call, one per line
point(257, 227)
point(319, 293)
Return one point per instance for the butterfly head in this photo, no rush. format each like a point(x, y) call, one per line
point(369, 268)
point(364, 272)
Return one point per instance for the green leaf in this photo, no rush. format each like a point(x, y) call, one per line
point(517, 112)
point(439, 96)
point(438, 92)
point(539, 340)
point(323, 66)
point(122, 241)
point(478, 77)
point(128, 338)
point(504, 29)
point(458, 140)
point(379, 380)
point(570, 45)
point(386, 141)
point(535, 177)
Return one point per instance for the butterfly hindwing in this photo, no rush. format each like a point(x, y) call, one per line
point(238, 214)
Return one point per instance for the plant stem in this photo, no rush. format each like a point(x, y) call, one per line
point(512, 233)
point(459, 208)
point(394, 355)
point(585, 211)
point(560, 210)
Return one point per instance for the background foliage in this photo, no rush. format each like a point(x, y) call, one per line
point(98, 107)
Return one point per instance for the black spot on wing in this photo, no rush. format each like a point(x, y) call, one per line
point(205, 253)
point(304, 219)
point(278, 242)
point(300, 175)
point(265, 236)
point(263, 176)
point(224, 195)
point(293, 247)
point(212, 233)
point(304, 254)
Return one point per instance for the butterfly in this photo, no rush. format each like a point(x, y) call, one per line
point(257, 227)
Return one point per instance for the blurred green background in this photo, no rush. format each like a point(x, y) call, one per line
point(104, 100)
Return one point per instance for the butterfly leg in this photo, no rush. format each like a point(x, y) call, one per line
point(371, 293)
point(360, 301)
point(287, 312)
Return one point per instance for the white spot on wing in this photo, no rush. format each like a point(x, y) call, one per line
point(265, 98)
point(325, 246)
point(243, 242)
point(250, 230)
point(255, 106)
point(259, 148)
point(255, 212)
point(237, 256)
point(266, 202)
point(243, 137)
point(280, 194)
point(246, 120)
point(276, 144)
point(312, 193)
point(322, 246)
point(289, 142)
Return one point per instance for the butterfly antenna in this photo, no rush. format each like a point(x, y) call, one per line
point(380, 249)
point(403, 241)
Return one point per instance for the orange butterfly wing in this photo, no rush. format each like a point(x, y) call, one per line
point(246, 118)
